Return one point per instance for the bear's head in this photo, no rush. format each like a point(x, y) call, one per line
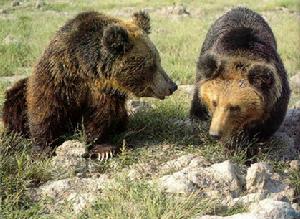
point(134, 64)
point(238, 93)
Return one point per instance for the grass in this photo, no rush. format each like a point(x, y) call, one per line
point(18, 172)
point(130, 199)
point(156, 135)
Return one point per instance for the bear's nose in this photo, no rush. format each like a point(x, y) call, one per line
point(214, 135)
point(173, 88)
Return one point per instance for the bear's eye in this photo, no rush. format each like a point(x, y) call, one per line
point(214, 103)
point(234, 109)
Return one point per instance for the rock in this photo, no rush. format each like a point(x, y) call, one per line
point(297, 105)
point(264, 209)
point(247, 199)
point(175, 10)
point(290, 128)
point(79, 192)
point(295, 82)
point(15, 3)
point(210, 180)
point(3, 11)
point(188, 89)
point(39, 4)
point(176, 164)
point(68, 160)
point(135, 106)
point(140, 170)
point(236, 216)
point(269, 208)
point(9, 39)
point(260, 179)
point(177, 183)
point(295, 165)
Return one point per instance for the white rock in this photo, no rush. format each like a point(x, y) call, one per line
point(260, 178)
point(225, 170)
point(135, 106)
point(78, 192)
point(177, 184)
point(176, 164)
point(269, 208)
point(40, 4)
point(295, 82)
point(15, 3)
point(236, 216)
point(9, 39)
point(250, 198)
point(295, 164)
point(210, 180)
point(265, 209)
point(71, 148)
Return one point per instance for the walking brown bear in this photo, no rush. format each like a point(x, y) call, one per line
point(241, 82)
point(84, 76)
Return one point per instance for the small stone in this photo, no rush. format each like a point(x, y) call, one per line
point(295, 164)
point(295, 82)
point(15, 3)
point(256, 176)
point(269, 208)
point(297, 105)
point(9, 39)
point(39, 4)
point(177, 184)
point(135, 106)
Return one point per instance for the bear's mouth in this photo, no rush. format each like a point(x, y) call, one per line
point(150, 92)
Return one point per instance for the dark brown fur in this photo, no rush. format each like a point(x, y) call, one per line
point(84, 76)
point(15, 109)
point(240, 45)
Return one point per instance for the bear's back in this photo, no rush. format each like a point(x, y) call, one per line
point(239, 29)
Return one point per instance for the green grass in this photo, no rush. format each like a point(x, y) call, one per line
point(19, 172)
point(130, 199)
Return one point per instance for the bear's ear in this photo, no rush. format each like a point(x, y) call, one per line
point(208, 66)
point(116, 40)
point(261, 77)
point(142, 20)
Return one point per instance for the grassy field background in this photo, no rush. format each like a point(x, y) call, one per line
point(25, 32)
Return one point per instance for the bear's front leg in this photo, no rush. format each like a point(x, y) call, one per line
point(198, 110)
point(101, 121)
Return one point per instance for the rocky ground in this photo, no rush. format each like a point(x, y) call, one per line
point(263, 192)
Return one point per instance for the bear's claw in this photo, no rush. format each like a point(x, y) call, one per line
point(101, 152)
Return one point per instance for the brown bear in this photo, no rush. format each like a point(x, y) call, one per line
point(240, 80)
point(93, 63)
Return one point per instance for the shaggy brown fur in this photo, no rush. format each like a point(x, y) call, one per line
point(14, 110)
point(241, 81)
point(85, 75)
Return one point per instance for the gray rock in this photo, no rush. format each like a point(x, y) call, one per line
point(295, 164)
point(264, 209)
point(9, 39)
point(297, 105)
point(40, 3)
point(290, 129)
point(188, 89)
point(211, 180)
point(69, 161)
point(135, 106)
point(175, 10)
point(295, 82)
point(15, 3)
point(260, 179)
point(269, 208)
point(78, 192)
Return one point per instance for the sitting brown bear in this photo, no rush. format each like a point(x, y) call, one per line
point(84, 76)
point(241, 81)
